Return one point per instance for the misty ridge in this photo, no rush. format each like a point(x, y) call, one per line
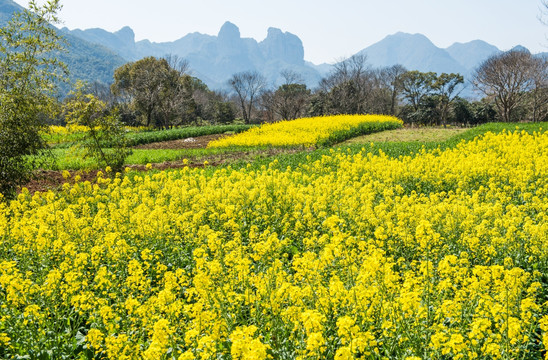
point(214, 59)
point(93, 54)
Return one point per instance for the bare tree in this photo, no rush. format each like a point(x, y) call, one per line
point(352, 68)
point(379, 99)
point(544, 12)
point(349, 85)
point(388, 88)
point(394, 74)
point(101, 91)
point(180, 64)
point(248, 87)
point(506, 78)
point(268, 106)
point(291, 77)
point(539, 101)
point(289, 101)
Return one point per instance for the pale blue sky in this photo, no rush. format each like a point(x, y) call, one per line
point(329, 30)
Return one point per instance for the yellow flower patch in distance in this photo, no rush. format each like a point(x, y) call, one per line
point(73, 129)
point(309, 131)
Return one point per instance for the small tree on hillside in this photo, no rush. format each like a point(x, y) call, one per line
point(27, 84)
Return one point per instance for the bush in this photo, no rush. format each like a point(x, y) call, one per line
point(105, 139)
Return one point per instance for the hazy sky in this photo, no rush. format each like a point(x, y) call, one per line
point(329, 30)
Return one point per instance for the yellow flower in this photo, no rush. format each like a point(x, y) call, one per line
point(160, 340)
point(343, 353)
point(343, 254)
point(312, 321)
point(315, 344)
point(4, 339)
point(246, 346)
point(95, 338)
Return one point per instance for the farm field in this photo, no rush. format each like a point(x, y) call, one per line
point(398, 250)
point(316, 131)
point(426, 134)
point(178, 144)
point(67, 155)
point(64, 137)
point(168, 148)
point(269, 208)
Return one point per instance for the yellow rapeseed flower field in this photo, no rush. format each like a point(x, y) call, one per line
point(309, 131)
point(441, 255)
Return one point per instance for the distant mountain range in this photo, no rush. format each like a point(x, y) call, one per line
point(417, 52)
point(93, 54)
point(215, 58)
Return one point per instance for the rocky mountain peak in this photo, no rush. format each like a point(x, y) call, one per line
point(285, 46)
point(229, 32)
point(126, 35)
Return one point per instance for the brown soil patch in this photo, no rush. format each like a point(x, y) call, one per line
point(199, 142)
point(45, 180)
point(218, 159)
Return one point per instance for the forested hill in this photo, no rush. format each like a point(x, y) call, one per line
point(86, 61)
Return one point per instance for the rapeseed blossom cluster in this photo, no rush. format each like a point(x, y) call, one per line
point(309, 131)
point(66, 130)
point(441, 255)
point(73, 129)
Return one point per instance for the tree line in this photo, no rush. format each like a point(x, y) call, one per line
point(513, 86)
point(161, 92)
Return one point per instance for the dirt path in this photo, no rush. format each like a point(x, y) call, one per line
point(408, 134)
point(199, 142)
